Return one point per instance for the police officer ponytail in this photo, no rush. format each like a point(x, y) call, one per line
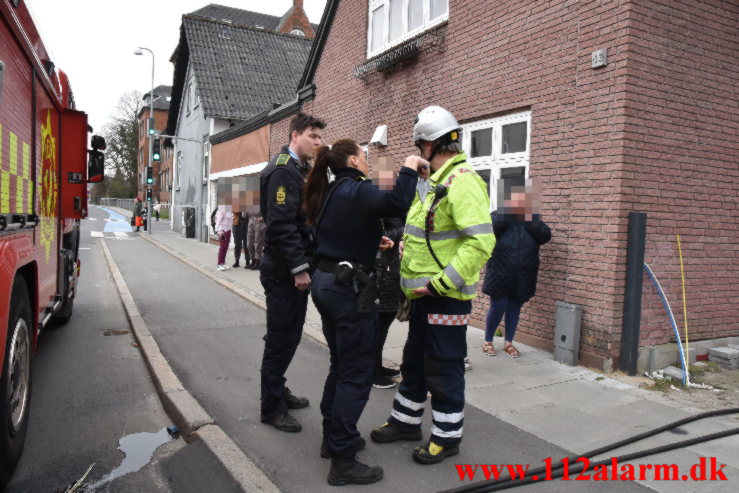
point(327, 158)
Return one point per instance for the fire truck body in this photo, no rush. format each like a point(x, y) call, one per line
point(43, 196)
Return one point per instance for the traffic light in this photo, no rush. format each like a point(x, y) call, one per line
point(148, 194)
point(152, 130)
point(156, 154)
point(149, 175)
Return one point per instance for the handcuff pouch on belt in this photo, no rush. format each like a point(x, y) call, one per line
point(366, 285)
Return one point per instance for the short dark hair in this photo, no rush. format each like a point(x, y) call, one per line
point(303, 121)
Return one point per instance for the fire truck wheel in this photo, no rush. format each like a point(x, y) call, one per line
point(15, 382)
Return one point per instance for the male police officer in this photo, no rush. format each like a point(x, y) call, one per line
point(448, 238)
point(284, 269)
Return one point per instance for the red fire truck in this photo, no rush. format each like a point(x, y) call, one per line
point(45, 167)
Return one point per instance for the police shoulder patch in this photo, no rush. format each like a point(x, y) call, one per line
point(280, 196)
point(282, 159)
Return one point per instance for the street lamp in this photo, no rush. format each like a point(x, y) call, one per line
point(140, 51)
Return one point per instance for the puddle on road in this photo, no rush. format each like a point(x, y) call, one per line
point(139, 449)
point(115, 332)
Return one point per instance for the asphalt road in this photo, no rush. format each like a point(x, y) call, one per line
point(213, 340)
point(91, 389)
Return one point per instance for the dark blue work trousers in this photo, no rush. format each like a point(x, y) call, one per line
point(286, 307)
point(352, 342)
point(433, 361)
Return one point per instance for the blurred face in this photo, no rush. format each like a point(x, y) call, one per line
point(386, 179)
point(305, 144)
point(517, 202)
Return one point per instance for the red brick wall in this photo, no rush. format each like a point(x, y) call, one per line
point(278, 136)
point(165, 196)
point(523, 56)
point(681, 160)
point(587, 140)
point(297, 20)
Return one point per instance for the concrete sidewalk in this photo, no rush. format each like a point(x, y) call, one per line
point(571, 407)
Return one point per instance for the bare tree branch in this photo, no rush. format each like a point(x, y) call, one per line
point(122, 137)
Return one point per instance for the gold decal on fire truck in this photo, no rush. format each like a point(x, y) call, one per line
point(48, 185)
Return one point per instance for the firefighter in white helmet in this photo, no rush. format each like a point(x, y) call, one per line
point(448, 238)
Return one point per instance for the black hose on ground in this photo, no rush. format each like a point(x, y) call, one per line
point(576, 467)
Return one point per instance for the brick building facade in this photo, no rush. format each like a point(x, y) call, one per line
point(295, 21)
point(653, 129)
point(162, 169)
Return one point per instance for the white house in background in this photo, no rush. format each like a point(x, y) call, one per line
point(229, 66)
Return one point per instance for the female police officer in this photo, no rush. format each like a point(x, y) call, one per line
point(347, 217)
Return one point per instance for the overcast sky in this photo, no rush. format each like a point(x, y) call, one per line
point(93, 42)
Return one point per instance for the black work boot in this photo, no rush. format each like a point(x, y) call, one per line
point(389, 372)
point(433, 453)
point(359, 444)
point(285, 422)
point(382, 382)
point(390, 433)
point(295, 402)
point(351, 471)
point(236, 264)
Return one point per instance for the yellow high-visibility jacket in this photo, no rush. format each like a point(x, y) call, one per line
point(461, 234)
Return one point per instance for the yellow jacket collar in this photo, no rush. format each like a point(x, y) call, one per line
point(447, 167)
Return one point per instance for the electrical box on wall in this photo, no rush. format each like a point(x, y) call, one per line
point(567, 333)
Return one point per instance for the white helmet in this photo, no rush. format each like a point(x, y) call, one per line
point(434, 122)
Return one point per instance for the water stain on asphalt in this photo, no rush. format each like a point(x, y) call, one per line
point(115, 332)
point(139, 449)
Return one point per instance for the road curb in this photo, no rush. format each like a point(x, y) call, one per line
point(311, 329)
point(184, 410)
point(242, 470)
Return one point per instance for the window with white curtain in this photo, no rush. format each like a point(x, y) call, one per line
point(391, 22)
point(178, 170)
point(206, 160)
point(188, 98)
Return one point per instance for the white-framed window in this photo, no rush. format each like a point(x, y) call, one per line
point(498, 148)
point(206, 160)
point(178, 170)
point(391, 22)
point(188, 98)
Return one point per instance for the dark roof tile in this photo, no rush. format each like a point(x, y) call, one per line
point(242, 71)
point(237, 16)
point(161, 97)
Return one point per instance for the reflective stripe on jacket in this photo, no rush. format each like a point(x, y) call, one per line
point(461, 234)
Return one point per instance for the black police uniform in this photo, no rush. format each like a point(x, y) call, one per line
point(350, 230)
point(287, 252)
point(239, 236)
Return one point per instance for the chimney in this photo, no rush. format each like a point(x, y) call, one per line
point(298, 3)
